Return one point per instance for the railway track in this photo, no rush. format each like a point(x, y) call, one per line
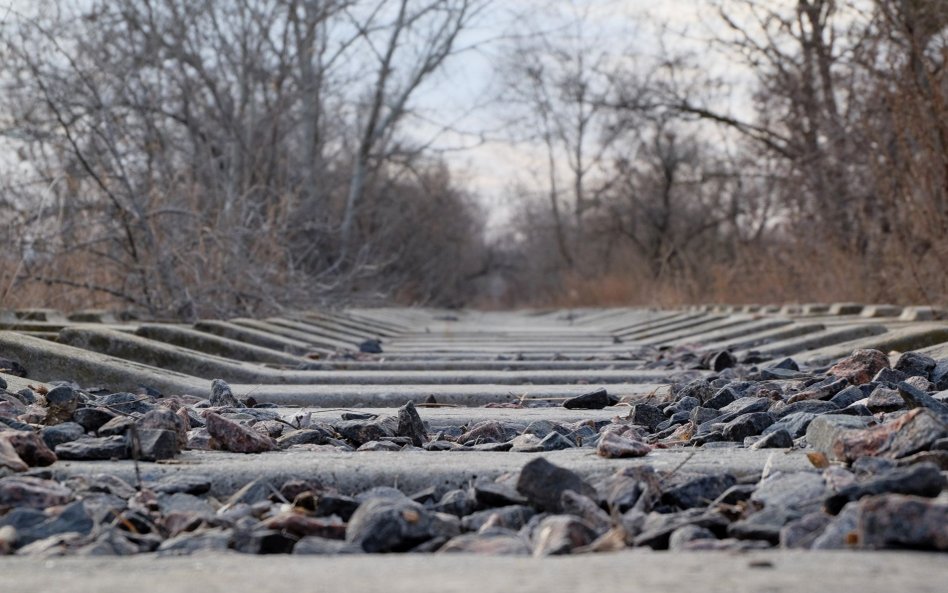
point(461, 371)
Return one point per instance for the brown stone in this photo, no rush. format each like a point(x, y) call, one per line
point(300, 525)
point(9, 458)
point(35, 493)
point(910, 433)
point(491, 544)
point(898, 521)
point(861, 366)
point(235, 437)
point(561, 534)
point(61, 402)
point(30, 447)
point(613, 446)
point(484, 432)
point(165, 419)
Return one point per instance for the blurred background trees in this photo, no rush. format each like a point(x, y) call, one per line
point(197, 157)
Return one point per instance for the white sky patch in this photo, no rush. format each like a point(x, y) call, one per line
point(464, 93)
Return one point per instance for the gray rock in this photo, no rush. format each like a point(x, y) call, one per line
point(496, 494)
point(764, 525)
point(646, 415)
point(856, 410)
point(630, 488)
point(127, 403)
point(263, 541)
point(165, 419)
point(61, 433)
point(613, 446)
point(884, 399)
point(92, 419)
point(923, 479)
point(779, 374)
point(915, 364)
point(921, 383)
point(721, 398)
point(681, 537)
point(313, 545)
point(512, 517)
point(744, 405)
point(371, 346)
point(180, 502)
point(657, 528)
point(528, 443)
point(735, 494)
point(256, 491)
point(456, 502)
point(916, 398)
point(747, 425)
point(496, 543)
point(699, 389)
point(848, 396)
point(561, 534)
point(222, 396)
point(914, 432)
point(688, 492)
point(824, 430)
point(21, 520)
point(389, 525)
point(410, 425)
point(821, 390)
point(586, 509)
point(380, 446)
point(594, 400)
point(485, 432)
point(61, 402)
point(700, 415)
point(117, 426)
point(207, 540)
point(543, 484)
point(802, 491)
point(787, 364)
point(898, 521)
point(889, 377)
point(840, 533)
point(541, 428)
point(939, 375)
point(718, 361)
point(156, 444)
point(102, 448)
point(780, 439)
point(802, 532)
point(308, 436)
point(73, 518)
point(185, 483)
point(795, 424)
point(683, 405)
point(812, 406)
point(233, 436)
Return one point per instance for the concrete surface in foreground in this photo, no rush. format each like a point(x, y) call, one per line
point(629, 572)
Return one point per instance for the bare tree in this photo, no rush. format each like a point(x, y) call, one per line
point(396, 80)
point(203, 156)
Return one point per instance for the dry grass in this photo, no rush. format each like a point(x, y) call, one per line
point(804, 275)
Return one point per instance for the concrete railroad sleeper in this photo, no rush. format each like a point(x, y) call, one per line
point(603, 396)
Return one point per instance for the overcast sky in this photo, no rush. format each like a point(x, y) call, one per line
point(461, 95)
